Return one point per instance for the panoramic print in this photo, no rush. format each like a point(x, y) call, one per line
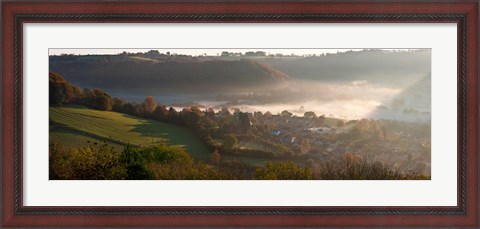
point(239, 114)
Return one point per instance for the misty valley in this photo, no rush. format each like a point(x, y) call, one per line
point(261, 114)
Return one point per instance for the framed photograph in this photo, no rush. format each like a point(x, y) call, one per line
point(240, 114)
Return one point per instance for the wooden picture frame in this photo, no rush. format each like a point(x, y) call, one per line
point(464, 13)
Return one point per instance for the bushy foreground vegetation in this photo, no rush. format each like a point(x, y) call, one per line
point(102, 162)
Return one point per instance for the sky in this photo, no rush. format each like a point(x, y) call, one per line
point(196, 52)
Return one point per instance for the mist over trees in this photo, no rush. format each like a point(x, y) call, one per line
point(326, 146)
point(370, 106)
point(354, 84)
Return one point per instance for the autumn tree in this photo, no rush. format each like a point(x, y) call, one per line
point(207, 126)
point(149, 104)
point(285, 113)
point(191, 116)
point(103, 103)
point(173, 116)
point(118, 104)
point(320, 120)
point(88, 96)
point(99, 100)
point(57, 86)
point(225, 121)
point(258, 114)
point(229, 142)
point(245, 123)
point(210, 113)
point(305, 146)
point(74, 93)
point(215, 157)
point(224, 111)
point(160, 113)
point(129, 108)
point(309, 114)
point(172, 112)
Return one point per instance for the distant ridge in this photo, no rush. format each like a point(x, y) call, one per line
point(391, 68)
point(179, 72)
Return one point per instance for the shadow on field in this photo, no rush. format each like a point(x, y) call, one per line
point(60, 128)
point(150, 128)
point(173, 135)
point(91, 116)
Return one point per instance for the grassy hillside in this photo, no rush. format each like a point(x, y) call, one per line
point(73, 126)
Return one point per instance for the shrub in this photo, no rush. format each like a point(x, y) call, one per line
point(283, 170)
point(134, 161)
point(92, 162)
point(360, 170)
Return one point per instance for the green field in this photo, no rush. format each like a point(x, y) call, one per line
point(73, 126)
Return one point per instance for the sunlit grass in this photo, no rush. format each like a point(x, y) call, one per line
point(74, 126)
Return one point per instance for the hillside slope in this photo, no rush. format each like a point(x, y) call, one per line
point(73, 126)
point(374, 66)
point(131, 74)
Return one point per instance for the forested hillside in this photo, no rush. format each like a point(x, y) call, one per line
point(133, 74)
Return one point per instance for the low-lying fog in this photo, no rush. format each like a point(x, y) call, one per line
point(345, 100)
point(370, 83)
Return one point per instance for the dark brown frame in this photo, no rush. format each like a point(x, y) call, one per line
point(464, 13)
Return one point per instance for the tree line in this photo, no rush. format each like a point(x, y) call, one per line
point(61, 92)
point(206, 124)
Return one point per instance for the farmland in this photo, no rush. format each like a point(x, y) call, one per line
point(73, 126)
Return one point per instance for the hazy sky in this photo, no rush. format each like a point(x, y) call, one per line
point(196, 52)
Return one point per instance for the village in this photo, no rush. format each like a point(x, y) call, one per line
point(398, 145)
